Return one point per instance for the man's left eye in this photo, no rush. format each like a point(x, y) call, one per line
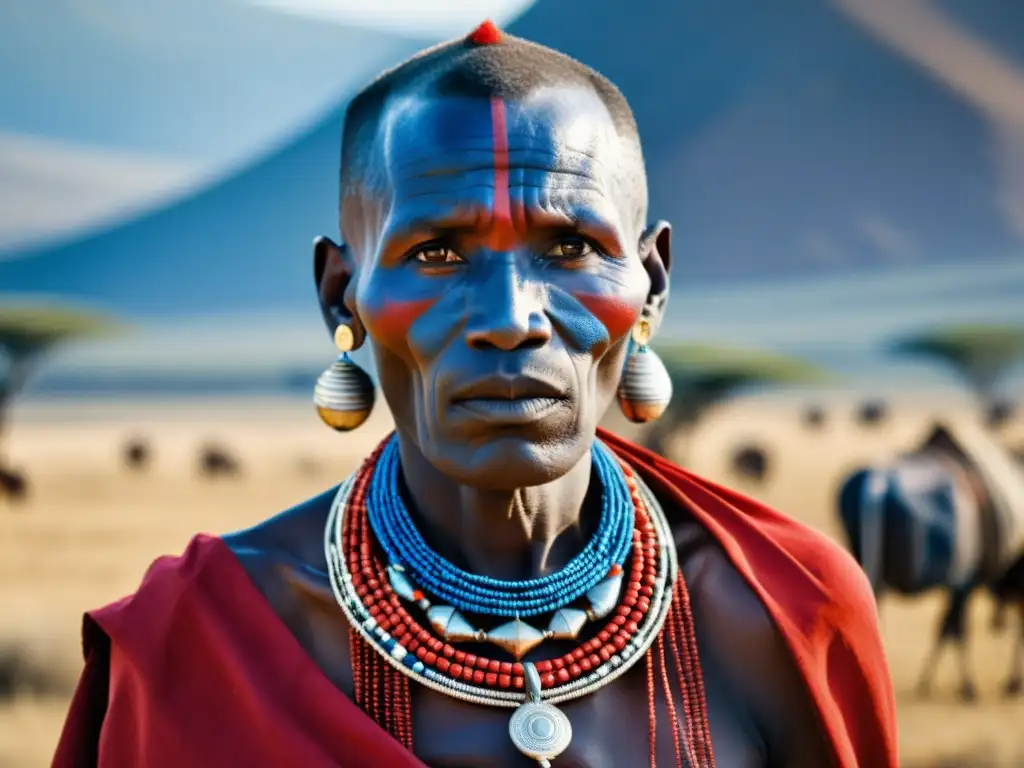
point(571, 248)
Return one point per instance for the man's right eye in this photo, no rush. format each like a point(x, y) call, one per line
point(436, 254)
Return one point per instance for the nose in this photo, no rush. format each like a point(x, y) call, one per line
point(507, 312)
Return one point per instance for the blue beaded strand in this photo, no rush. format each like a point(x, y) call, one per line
point(404, 545)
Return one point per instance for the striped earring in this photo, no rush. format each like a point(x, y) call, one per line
point(645, 388)
point(344, 394)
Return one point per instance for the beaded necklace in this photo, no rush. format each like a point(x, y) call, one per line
point(596, 572)
point(383, 628)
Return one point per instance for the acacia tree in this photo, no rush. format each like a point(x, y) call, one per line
point(980, 354)
point(704, 375)
point(28, 331)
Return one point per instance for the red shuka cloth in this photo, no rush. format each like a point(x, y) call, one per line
point(195, 668)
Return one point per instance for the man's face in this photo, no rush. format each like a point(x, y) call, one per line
point(498, 276)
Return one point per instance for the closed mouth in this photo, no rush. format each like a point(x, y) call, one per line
point(515, 405)
point(524, 390)
point(511, 411)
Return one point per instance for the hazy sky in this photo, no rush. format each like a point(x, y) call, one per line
point(101, 119)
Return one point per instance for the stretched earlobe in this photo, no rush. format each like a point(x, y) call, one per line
point(656, 255)
point(658, 238)
point(334, 275)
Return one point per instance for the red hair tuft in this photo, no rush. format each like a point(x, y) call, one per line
point(486, 34)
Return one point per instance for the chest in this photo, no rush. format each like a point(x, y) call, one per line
point(611, 727)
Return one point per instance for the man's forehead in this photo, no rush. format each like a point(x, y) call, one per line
point(561, 122)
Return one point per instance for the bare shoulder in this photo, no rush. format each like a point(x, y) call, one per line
point(287, 546)
point(296, 533)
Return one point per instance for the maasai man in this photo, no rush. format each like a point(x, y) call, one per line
point(501, 583)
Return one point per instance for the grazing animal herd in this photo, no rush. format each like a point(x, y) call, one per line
point(213, 461)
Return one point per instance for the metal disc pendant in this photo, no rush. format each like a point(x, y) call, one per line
point(539, 730)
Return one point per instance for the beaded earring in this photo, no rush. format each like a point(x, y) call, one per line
point(645, 388)
point(344, 393)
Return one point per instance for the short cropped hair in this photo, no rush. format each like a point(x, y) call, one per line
point(511, 68)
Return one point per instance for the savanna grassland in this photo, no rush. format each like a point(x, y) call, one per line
point(90, 527)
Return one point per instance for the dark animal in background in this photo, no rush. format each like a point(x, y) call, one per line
point(24, 672)
point(13, 485)
point(1000, 412)
point(1008, 590)
point(814, 416)
point(872, 413)
point(216, 461)
point(933, 519)
point(751, 462)
point(137, 455)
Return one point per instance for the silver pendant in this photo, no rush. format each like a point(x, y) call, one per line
point(567, 623)
point(451, 624)
point(516, 637)
point(539, 730)
point(604, 596)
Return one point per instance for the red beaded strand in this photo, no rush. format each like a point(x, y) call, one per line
point(673, 718)
point(652, 710)
point(380, 690)
point(357, 665)
point(403, 706)
point(683, 648)
point(691, 661)
point(682, 678)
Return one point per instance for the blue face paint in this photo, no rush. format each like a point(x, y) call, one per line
point(578, 325)
point(503, 279)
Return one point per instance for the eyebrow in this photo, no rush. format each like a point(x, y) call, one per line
point(402, 235)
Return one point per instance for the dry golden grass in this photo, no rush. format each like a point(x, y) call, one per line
point(91, 528)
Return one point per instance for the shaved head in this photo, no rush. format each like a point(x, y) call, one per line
point(485, 64)
point(493, 218)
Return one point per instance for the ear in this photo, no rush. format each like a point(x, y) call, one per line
point(334, 273)
point(656, 255)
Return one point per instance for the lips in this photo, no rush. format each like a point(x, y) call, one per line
point(511, 401)
point(510, 389)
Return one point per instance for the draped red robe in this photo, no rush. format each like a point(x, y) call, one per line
point(195, 668)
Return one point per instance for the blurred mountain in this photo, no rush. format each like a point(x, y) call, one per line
point(781, 139)
point(111, 110)
point(785, 138)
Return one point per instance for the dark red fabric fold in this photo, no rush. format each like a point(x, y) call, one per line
point(196, 669)
point(204, 673)
point(818, 596)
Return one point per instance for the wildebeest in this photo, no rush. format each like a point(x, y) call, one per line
point(814, 416)
point(13, 485)
point(948, 515)
point(999, 413)
point(751, 461)
point(215, 461)
point(872, 412)
point(137, 455)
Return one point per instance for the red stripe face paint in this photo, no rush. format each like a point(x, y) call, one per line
point(502, 236)
point(616, 315)
point(391, 321)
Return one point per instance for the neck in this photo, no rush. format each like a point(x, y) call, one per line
point(520, 533)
